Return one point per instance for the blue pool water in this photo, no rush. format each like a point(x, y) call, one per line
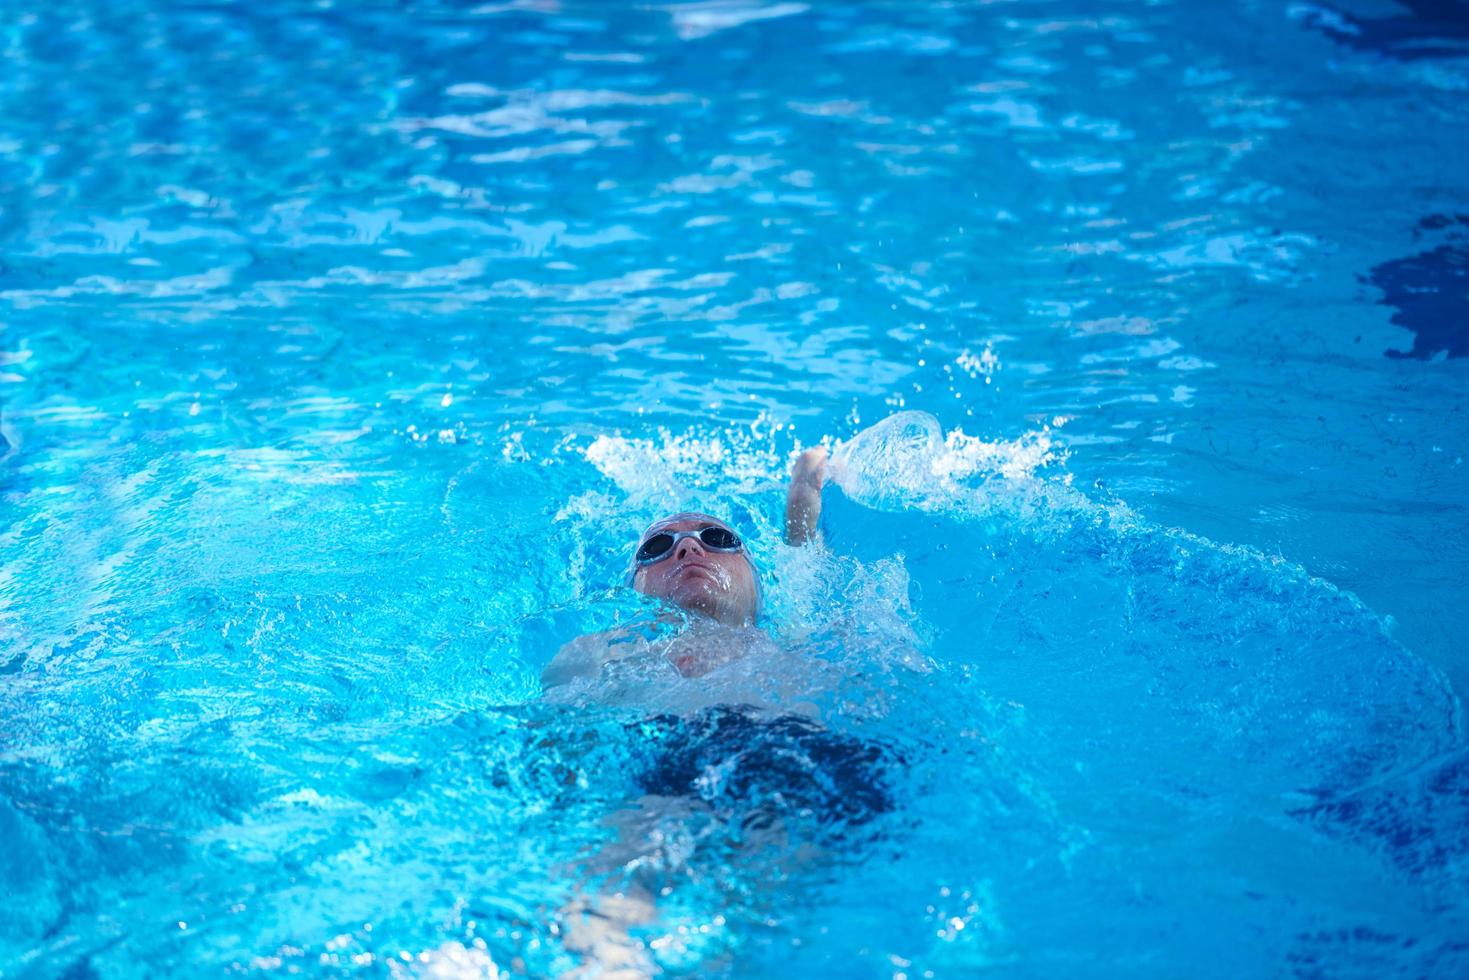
point(346, 347)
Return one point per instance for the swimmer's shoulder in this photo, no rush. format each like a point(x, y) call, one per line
point(586, 655)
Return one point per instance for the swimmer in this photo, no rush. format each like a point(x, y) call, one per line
point(700, 567)
point(698, 564)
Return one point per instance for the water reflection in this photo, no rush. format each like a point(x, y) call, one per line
point(1428, 28)
point(1430, 291)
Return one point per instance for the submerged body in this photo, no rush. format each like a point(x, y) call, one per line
point(756, 768)
point(722, 751)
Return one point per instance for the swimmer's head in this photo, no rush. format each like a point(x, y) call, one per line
point(697, 562)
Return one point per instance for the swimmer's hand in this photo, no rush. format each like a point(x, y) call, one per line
point(803, 499)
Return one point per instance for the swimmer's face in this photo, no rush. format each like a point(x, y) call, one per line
point(719, 584)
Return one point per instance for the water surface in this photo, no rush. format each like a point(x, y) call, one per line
point(344, 349)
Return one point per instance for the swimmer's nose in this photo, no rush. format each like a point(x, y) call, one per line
point(686, 545)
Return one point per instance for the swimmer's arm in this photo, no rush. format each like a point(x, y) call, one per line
point(585, 656)
point(803, 499)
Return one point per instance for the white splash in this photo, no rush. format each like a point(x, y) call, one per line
point(673, 462)
point(906, 458)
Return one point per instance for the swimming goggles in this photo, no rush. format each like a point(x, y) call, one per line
point(660, 545)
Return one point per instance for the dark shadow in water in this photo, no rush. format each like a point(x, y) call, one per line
point(1419, 820)
point(1430, 29)
point(1430, 292)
